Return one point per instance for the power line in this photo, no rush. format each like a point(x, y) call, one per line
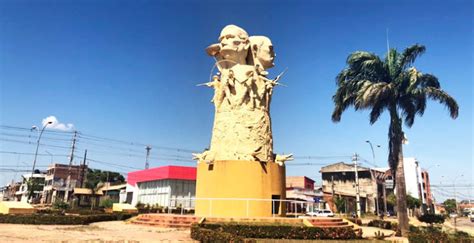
point(103, 139)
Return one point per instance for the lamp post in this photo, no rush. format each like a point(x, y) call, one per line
point(372, 148)
point(37, 145)
point(377, 192)
point(455, 197)
point(50, 154)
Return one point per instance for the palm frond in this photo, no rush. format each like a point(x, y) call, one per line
point(443, 98)
point(392, 62)
point(408, 110)
point(419, 100)
point(377, 110)
point(428, 80)
point(407, 58)
point(372, 93)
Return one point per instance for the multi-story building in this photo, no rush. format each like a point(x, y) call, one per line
point(8, 191)
point(56, 181)
point(417, 183)
point(427, 194)
point(339, 181)
point(169, 186)
point(413, 179)
point(301, 188)
point(37, 180)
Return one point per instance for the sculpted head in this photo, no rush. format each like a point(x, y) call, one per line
point(234, 43)
point(262, 49)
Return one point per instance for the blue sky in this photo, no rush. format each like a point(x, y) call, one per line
point(128, 70)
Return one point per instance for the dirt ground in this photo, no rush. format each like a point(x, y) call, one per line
point(113, 231)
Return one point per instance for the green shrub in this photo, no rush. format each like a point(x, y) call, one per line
point(58, 204)
point(435, 234)
point(283, 231)
point(84, 211)
point(207, 235)
point(106, 203)
point(383, 224)
point(47, 219)
point(460, 236)
point(50, 211)
point(432, 218)
point(426, 234)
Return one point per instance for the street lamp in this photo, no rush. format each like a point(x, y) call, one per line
point(372, 148)
point(37, 145)
point(455, 198)
point(50, 154)
point(436, 165)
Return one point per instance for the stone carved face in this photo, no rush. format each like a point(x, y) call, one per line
point(234, 43)
point(263, 48)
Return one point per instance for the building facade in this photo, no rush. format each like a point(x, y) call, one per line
point(301, 188)
point(56, 181)
point(413, 179)
point(168, 186)
point(427, 194)
point(339, 182)
point(23, 190)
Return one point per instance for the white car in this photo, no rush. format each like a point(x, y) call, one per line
point(325, 213)
point(471, 216)
point(321, 213)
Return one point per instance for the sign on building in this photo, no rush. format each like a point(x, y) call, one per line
point(389, 184)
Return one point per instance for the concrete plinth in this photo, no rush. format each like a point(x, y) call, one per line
point(228, 188)
point(10, 207)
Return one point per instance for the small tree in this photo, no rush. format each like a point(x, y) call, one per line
point(450, 205)
point(34, 185)
point(412, 202)
point(106, 203)
point(340, 204)
point(432, 219)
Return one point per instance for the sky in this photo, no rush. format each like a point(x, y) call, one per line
point(124, 73)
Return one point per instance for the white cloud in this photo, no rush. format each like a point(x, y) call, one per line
point(56, 125)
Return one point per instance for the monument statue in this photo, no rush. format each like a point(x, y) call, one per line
point(242, 95)
point(239, 175)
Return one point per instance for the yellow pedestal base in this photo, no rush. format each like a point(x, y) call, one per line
point(236, 189)
point(11, 207)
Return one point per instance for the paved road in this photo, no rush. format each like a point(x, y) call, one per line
point(463, 224)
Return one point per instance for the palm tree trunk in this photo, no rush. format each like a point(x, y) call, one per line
point(396, 164)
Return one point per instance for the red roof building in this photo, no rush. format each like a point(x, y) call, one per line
point(162, 173)
point(168, 186)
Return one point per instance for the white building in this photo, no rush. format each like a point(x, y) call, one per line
point(22, 193)
point(168, 186)
point(413, 179)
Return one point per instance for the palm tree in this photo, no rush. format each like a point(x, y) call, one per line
point(392, 84)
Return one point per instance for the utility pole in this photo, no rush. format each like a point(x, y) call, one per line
point(71, 158)
point(83, 168)
point(384, 198)
point(148, 148)
point(73, 147)
point(355, 160)
point(332, 186)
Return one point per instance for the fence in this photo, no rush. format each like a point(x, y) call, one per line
point(293, 207)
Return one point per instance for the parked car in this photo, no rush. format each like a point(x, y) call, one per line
point(313, 214)
point(321, 213)
point(453, 215)
point(325, 213)
point(471, 217)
